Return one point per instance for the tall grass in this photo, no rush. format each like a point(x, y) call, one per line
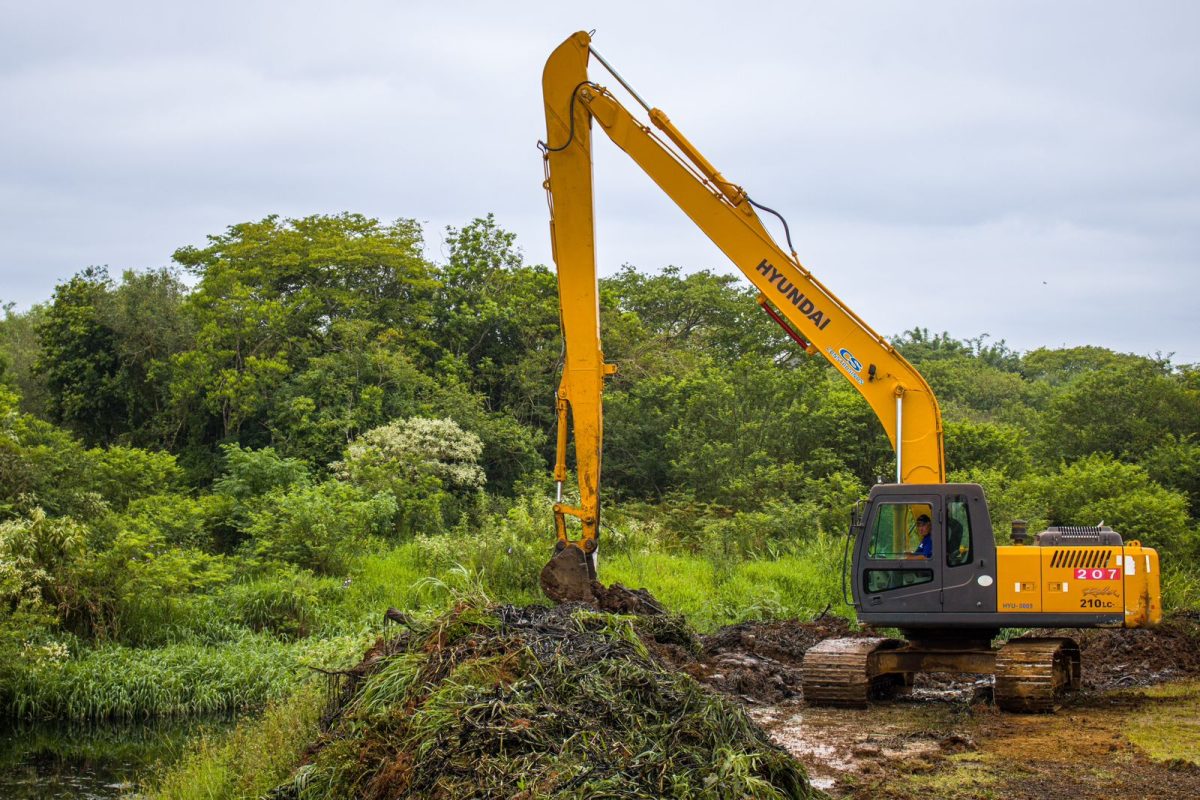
point(248, 762)
point(710, 594)
point(125, 683)
point(1180, 588)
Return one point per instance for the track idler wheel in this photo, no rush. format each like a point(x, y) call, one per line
point(1032, 675)
point(843, 672)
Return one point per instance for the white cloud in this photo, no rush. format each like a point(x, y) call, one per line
point(984, 146)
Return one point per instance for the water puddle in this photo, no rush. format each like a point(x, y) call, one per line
point(49, 761)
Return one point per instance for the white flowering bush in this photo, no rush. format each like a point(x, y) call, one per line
point(437, 447)
point(430, 466)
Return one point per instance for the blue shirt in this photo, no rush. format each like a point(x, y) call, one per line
point(925, 548)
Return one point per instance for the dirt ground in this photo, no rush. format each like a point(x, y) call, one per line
point(1133, 732)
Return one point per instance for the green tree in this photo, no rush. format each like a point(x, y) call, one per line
point(494, 315)
point(1175, 463)
point(1060, 366)
point(99, 344)
point(1124, 409)
point(712, 314)
point(985, 445)
point(1099, 488)
point(19, 352)
point(269, 296)
point(80, 362)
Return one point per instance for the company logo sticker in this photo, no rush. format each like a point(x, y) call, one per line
point(846, 360)
point(855, 364)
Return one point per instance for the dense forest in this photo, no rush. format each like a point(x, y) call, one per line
point(213, 472)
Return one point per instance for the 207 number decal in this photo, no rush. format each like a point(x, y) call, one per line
point(1109, 574)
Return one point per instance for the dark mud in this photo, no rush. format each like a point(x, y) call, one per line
point(758, 662)
point(1115, 657)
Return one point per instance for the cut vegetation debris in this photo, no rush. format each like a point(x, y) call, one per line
point(508, 702)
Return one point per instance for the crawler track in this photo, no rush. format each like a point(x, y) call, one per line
point(1033, 674)
point(841, 672)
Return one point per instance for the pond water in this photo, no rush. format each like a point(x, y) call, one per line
point(94, 762)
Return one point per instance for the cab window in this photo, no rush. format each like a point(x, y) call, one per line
point(883, 580)
point(959, 549)
point(895, 532)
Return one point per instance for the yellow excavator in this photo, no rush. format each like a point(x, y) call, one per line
point(924, 556)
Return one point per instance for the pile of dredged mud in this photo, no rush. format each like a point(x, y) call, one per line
point(1115, 657)
point(507, 702)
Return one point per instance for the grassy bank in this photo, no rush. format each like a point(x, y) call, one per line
point(252, 644)
point(176, 680)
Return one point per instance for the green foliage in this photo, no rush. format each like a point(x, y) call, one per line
point(269, 294)
point(1175, 463)
point(919, 347)
point(506, 553)
point(986, 445)
point(1125, 410)
point(1099, 488)
point(250, 474)
point(47, 570)
point(99, 345)
point(123, 474)
point(495, 316)
point(430, 467)
point(285, 600)
point(118, 682)
point(1063, 366)
point(19, 352)
point(79, 359)
point(247, 763)
point(183, 521)
point(318, 527)
point(711, 314)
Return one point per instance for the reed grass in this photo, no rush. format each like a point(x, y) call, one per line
point(176, 680)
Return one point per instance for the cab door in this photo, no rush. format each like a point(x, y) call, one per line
point(969, 577)
point(891, 573)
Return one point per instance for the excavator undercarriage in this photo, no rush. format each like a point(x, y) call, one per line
point(1032, 675)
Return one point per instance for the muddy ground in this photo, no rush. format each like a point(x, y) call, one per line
point(1133, 732)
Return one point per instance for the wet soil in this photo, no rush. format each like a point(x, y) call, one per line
point(922, 749)
point(945, 739)
point(758, 662)
point(1115, 657)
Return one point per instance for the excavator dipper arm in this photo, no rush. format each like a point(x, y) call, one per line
point(897, 393)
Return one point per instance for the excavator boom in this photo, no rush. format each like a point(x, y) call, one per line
point(900, 397)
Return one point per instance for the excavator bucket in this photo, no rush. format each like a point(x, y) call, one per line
point(568, 577)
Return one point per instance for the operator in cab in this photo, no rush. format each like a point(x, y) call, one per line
point(925, 529)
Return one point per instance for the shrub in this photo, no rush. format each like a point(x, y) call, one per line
point(286, 601)
point(317, 527)
point(1099, 488)
point(430, 466)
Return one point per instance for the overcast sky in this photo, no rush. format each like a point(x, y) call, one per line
point(1026, 170)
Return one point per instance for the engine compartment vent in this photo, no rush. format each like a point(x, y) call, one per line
point(1078, 536)
point(1072, 558)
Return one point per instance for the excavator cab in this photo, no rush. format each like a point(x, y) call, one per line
point(921, 551)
